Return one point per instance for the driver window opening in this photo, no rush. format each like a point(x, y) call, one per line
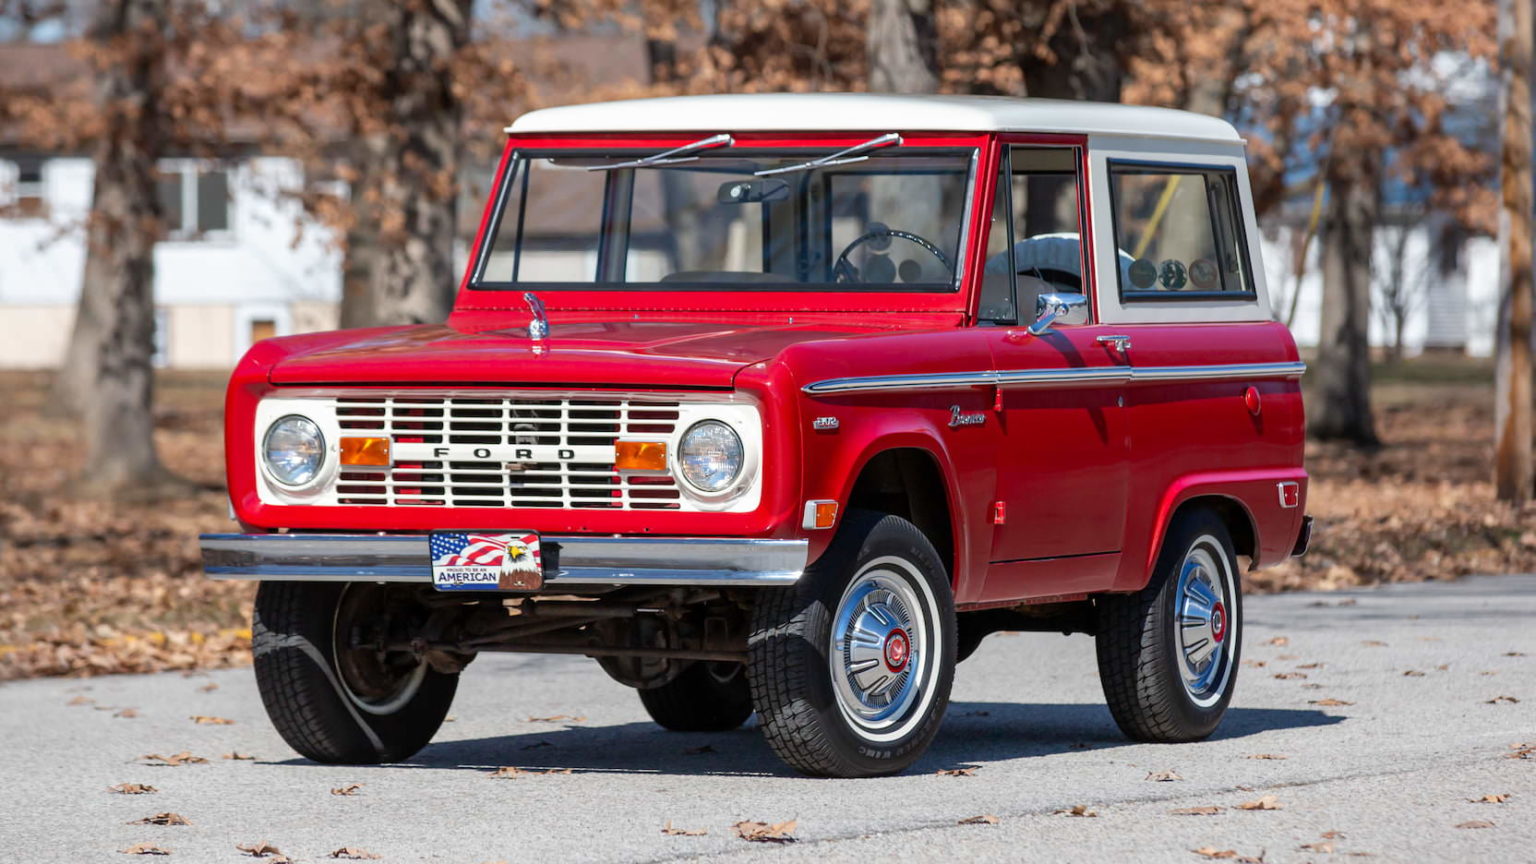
point(1035, 246)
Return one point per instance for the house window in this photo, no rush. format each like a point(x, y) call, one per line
point(194, 199)
point(22, 190)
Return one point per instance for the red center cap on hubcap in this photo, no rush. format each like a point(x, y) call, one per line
point(897, 650)
point(1219, 622)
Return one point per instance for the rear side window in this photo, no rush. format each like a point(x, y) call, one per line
point(1179, 232)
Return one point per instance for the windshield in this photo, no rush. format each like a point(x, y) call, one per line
point(891, 222)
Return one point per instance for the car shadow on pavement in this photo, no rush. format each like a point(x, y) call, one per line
point(973, 733)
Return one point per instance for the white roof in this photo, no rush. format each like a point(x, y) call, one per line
point(873, 112)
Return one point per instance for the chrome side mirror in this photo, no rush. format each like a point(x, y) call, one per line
point(1061, 308)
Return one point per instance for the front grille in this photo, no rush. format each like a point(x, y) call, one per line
point(495, 420)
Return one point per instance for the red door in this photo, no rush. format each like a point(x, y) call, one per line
point(1061, 489)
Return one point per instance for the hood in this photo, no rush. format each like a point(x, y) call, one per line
point(653, 354)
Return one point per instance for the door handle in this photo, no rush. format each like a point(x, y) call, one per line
point(1119, 343)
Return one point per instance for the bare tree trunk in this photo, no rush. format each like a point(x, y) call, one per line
point(1083, 63)
point(1342, 407)
point(409, 174)
point(902, 46)
point(1512, 429)
point(108, 375)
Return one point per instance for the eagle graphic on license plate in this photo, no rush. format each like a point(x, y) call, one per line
point(467, 561)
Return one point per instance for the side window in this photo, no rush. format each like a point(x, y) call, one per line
point(1035, 241)
point(1178, 231)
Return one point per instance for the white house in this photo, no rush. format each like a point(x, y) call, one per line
point(242, 261)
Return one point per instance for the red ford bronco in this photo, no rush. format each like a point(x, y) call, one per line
point(780, 404)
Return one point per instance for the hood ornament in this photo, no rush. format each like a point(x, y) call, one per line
point(538, 328)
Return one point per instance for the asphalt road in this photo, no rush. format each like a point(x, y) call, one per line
point(1391, 773)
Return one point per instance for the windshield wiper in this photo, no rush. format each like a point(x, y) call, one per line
point(670, 157)
point(841, 157)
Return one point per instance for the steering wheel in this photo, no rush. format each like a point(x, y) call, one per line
point(844, 271)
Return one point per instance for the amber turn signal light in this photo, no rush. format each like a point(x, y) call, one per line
point(820, 514)
point(365, 451)
point(640, 455)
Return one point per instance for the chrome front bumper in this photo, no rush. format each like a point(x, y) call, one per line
point(568, 560)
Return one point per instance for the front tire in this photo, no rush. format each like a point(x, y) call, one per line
point(334, 702)
point(705, 697)
point(1168, 654)
point(850, 669)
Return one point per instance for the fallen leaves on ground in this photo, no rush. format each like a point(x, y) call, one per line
point(1329, 703)
point(1163, 776)
point(1267, 756)
point(145, 849)
point(1412, 673)
point(536, 745)
point(237, 756)
point(259, 850)
point(1205, 810)
point(1322, 847)
point(512, 772)
point(558, 718)
point(668, 830)
point(1289, 676)
point(1491, 799)
point(352, 853)
point(1526, 750)
point(1227, 855)
point(348, 790)
point(1279, 641)
point(1076, 810)
point(983, 819)
point(1266, 802)
point(762, 832)
point(962, 771)
point(1502, 700)
point(209, 687)
point(162, 819)
point(207, 720)
point(174, 760)
point(127, 713)
point(1476, 823)
point(1374, 643)
point(699, 750)
point(133, 789)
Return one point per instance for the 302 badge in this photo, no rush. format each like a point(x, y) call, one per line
point(475, 561)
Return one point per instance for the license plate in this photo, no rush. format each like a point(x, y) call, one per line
point(474, 561)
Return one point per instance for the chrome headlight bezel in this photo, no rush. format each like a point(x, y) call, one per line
point(729, 486)
point(318, 458)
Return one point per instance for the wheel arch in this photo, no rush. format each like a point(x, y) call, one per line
point(1232, 512)
point(911, 482)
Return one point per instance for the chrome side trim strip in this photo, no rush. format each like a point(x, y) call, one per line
point(945, 381)
point(1217, 373)
point(720, 561)
point(1055, 377)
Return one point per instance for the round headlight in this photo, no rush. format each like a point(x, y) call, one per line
point(294, 450)
point(710, 456)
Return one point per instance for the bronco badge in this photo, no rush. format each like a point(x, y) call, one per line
point(959, 418)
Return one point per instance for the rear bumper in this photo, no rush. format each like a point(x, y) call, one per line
point(568, 560)
point(1304, 538)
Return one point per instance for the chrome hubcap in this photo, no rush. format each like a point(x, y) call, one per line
point(1203, 626)
point(881, 638)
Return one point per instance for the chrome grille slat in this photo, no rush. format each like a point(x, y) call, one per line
point(505, 419)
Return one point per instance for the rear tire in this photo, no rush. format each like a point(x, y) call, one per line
point(851, 667)
point(705, 697)
point(1169, 654)
point(334, 703)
